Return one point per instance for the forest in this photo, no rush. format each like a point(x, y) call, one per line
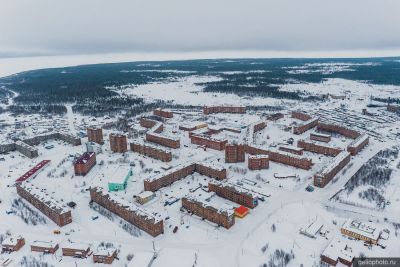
point(94, 88)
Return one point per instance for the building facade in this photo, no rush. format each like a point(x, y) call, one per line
point(235, 153)
point(258, 162)
point(224, 109)
point(323, 177)
point(151, 151)
point(358, 144)
point(207, 141)
point(319, 148)
point(161, 180)
point(163, 113)
point(163, 140)
point(281, 157)
point(326, 138)
point(329, 127)
point(150, 222)
point(305, 126)
point(118, 143)
point(234, 193)
point(206, 211)
point(95, 135)
point(54, 209)
point(84, 163)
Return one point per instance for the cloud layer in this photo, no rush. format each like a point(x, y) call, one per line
point(48, 27)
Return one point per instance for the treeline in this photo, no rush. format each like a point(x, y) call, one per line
point(39, 109)
point(389, 100)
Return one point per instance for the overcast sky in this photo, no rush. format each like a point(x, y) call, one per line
point(49, 27)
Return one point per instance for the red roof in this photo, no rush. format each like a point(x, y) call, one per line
point(32, 171)
point(242, 210)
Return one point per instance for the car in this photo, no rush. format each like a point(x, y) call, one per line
point(175, 229)
point(56, 232)
point(309, 188)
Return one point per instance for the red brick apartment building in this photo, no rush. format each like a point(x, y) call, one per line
point(224, 109)
point(145, 220)
point(358, 144)
point(275, 116)
point(207, 141)
point(300, 116)
point(323, 177)
point(78, 250)
point(235, 153)
point(281, 157)
point(43, 201)
point(258, 162)
point(84, 163)
point(207, 211)
point(326, 138)
point(44, 246)
point(337, 252)
point(163, 113)
point(305, 126)
point(292, 149)
point(318, 148)
point(105, 256)
point(163, 140)
point(259, 126)
point(95, 135)
point(118, 143)
point(159, 181)
point(338, 129)
point(150, 151)
point(393, 108)
point(12, 244)
point(147, 123)
point(234, 193)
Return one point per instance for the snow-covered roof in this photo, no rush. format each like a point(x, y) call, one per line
point(85, 157)
point(151, 145)
point(293, 148)
point(234, 188)
point(204, 201)
point(120, 201)
point(145, 194)
point(26, 146)
point(166, 136)
point(335, 162)
point(320, 134)
point(76, 246)
point(356, 142)
point(44, 244)
point(46, 198)
point(103, 251)
point(368, 230)
point(33, 172)
point(11, 241)
point(338, 249)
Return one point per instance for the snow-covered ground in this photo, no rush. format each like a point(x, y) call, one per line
point(252, 241)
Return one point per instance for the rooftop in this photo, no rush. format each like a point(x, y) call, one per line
point(48, 200)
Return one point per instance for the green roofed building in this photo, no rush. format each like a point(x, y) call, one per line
point(119, 183)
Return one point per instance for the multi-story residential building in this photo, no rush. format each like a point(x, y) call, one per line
point(84, 163)
point(53, 208)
